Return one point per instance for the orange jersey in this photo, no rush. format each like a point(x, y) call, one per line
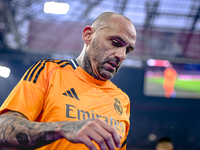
point(169, 79)
point(55, 90)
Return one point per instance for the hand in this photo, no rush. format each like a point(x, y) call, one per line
point(101, 132)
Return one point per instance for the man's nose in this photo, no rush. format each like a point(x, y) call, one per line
point(121, 53)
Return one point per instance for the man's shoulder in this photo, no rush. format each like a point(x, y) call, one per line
point(54, 63)
point(44, 67)
point(50, 64)
point(118, 89)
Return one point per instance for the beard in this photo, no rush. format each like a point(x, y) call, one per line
point(99, 70)
point(96, 65)
point(106, 72)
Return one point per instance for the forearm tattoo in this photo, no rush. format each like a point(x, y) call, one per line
point(18, 132)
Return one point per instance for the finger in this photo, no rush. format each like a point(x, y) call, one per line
point(85, 139)
point(120, 136)
point(113, 133)
point(100, 135)
point(108, 140)
point(99, 140)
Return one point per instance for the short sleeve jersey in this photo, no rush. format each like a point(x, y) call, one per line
point(57, 90)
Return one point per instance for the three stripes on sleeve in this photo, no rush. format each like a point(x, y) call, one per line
point(35, 70)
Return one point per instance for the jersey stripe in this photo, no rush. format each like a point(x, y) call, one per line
point(124, 143)
point(34, 71)
point(40, 65)
point(74, 63)
point(39, 71)
point(60, 62)
point(30, 70)
point(65, 64)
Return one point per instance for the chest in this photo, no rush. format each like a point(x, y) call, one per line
point(68, 89)
point(71, 98)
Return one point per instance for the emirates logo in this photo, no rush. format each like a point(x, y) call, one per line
point(118, 107)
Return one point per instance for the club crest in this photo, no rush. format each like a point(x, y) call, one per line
point(118, 107)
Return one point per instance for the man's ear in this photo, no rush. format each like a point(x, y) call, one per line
point(87, 33)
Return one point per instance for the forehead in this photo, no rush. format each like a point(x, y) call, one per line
point(120, 26)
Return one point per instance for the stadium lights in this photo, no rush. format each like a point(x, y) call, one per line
point(152, 137)
point(4, 72)
point(132, 63)
point(56, 8)
point(158, 63)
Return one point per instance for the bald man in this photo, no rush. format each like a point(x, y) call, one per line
point(72, 104)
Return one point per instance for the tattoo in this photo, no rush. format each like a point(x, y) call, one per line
point(74, 126)
point(22, 138)
point(6, 130)
point(29, 126)
point(86, 65)
point(70, 129)
point(18, 132)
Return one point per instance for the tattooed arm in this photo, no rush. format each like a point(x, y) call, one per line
point(16, 131)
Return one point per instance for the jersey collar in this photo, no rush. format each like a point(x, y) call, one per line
point(74, 63)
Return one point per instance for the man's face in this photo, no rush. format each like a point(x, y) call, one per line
point(109, 47)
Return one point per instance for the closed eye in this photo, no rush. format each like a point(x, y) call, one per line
point(128, 50)
point(116, 43)
point(120, 43)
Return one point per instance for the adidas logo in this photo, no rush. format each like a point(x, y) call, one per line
point(71, 93)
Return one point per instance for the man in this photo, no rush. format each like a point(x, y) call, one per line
point(164, 143)
point(170, 75)
point(73, 104)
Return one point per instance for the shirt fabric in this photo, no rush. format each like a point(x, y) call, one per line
point(58, 90)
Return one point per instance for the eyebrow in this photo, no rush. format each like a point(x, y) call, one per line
point(119, 38)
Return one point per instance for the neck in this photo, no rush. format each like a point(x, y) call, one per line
point(85, 63)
